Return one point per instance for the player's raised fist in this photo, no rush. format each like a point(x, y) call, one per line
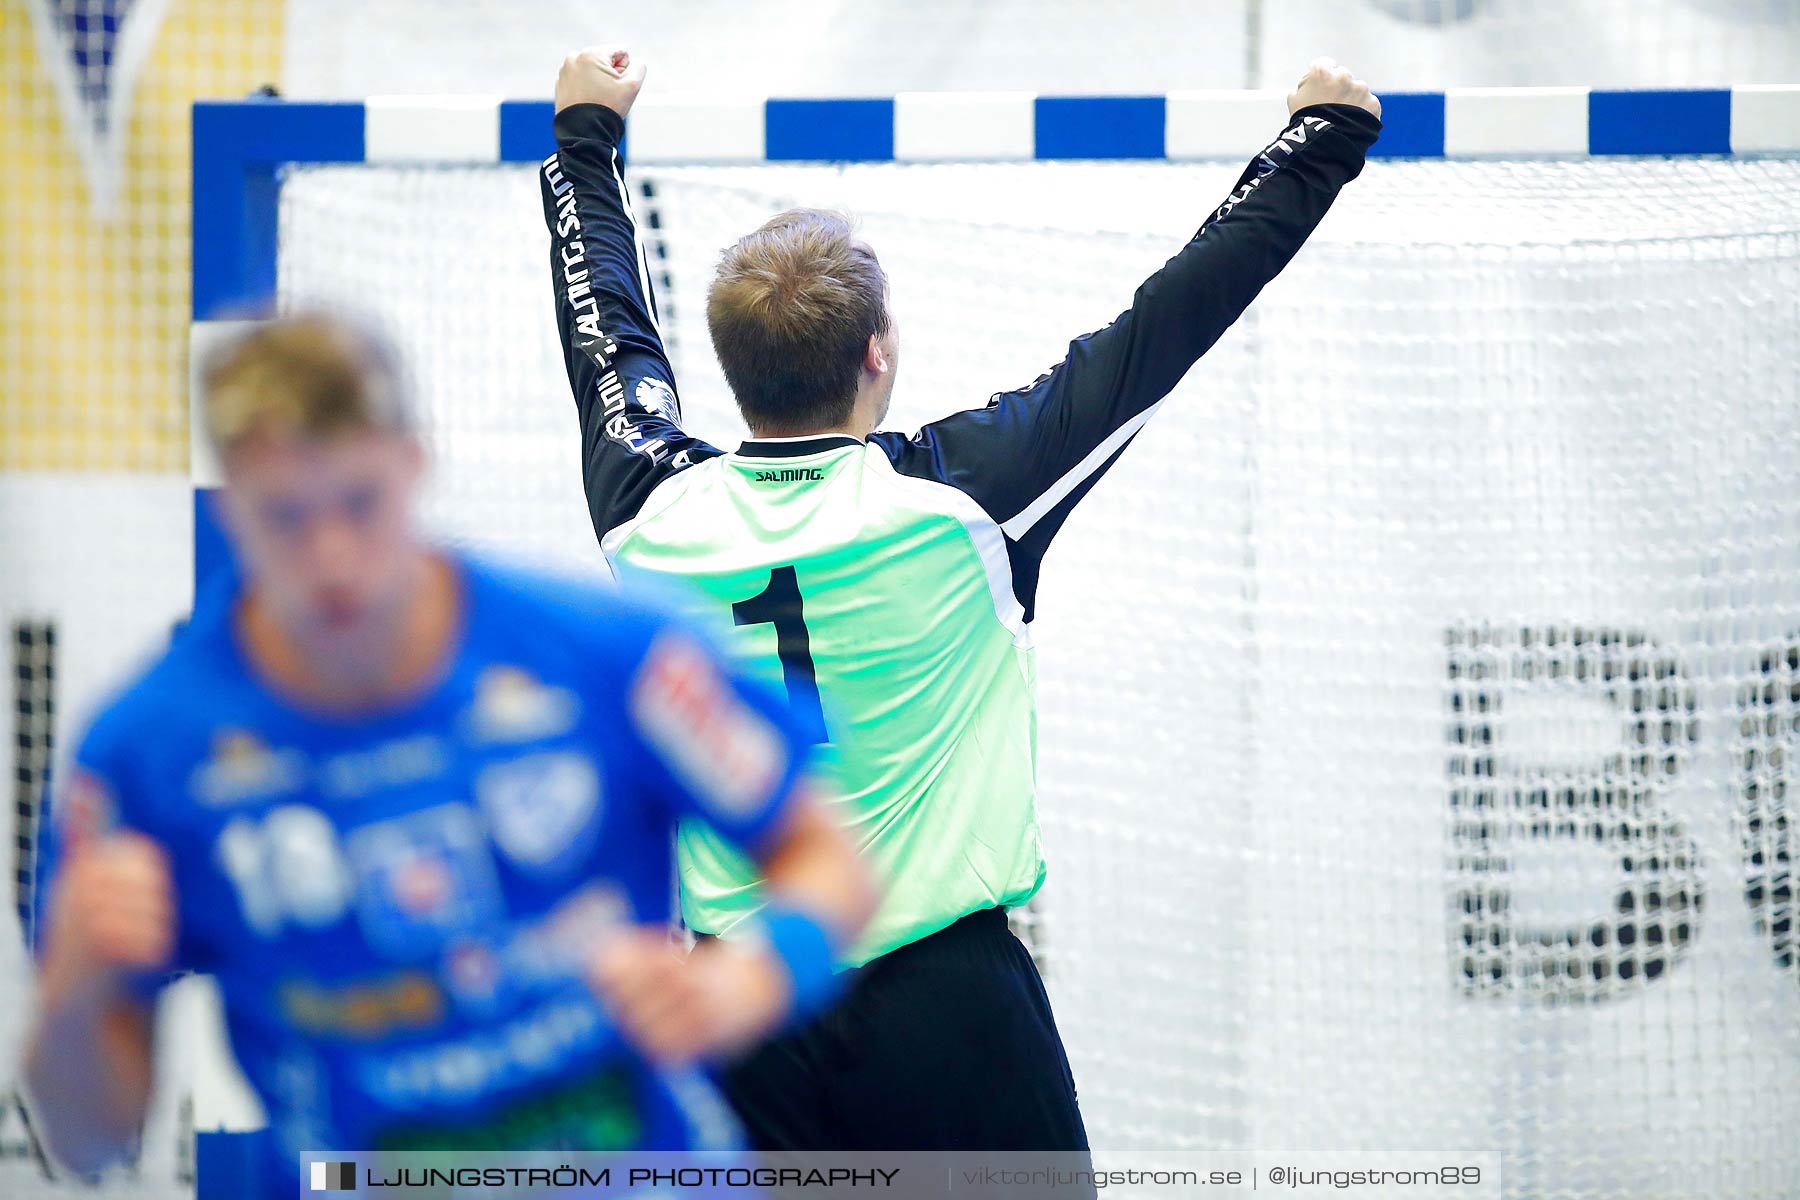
point(113, 911)
point(1327, 83)
point(600, 75)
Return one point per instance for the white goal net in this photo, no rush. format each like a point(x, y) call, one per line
point(1418, 693)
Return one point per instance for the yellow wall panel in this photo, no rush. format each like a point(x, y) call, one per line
point(93, 304)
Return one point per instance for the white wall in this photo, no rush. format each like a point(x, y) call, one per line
point(350, 48)
point(109, 559)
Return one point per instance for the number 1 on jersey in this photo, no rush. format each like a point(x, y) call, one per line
point(780, 605)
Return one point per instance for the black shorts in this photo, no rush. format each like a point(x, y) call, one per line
point(944, 1044)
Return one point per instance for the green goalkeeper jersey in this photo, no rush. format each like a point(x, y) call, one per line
point(887, 585)
point(883, 605)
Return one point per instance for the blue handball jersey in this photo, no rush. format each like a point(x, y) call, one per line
point(398, 907)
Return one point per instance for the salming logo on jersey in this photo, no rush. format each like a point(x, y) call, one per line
point(1266, 162)
point(655, 399)
point(583, 302)
point(789, 475)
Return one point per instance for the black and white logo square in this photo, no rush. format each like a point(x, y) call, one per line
point(333, 1176)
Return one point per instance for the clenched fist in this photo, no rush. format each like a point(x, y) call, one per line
point(600, 75)
point(113, 911)
point(1327, 83)
point(721, 998)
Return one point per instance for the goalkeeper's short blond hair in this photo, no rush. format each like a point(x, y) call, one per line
point(312, 375)
point(791, 310)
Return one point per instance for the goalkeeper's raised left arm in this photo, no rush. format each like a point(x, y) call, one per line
point(606, 318)
point(1032, 453)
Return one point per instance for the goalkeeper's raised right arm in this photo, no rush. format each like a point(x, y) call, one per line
point(1031, 454)
point(619, 371)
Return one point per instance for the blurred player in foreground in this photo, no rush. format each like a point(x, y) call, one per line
point(415, 812)
point(889, 583)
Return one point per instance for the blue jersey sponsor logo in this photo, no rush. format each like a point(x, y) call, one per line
point(475, 976)
point(243, 768)
point(543, 809)
point(512, 705)
point(453, 1071)
point(422, 879)
point(487, 975)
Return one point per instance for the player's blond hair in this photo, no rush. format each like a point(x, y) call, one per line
point(314, 375)
point(791, 309)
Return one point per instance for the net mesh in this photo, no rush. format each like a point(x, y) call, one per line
point(1417, 698)
point(1431, 44)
